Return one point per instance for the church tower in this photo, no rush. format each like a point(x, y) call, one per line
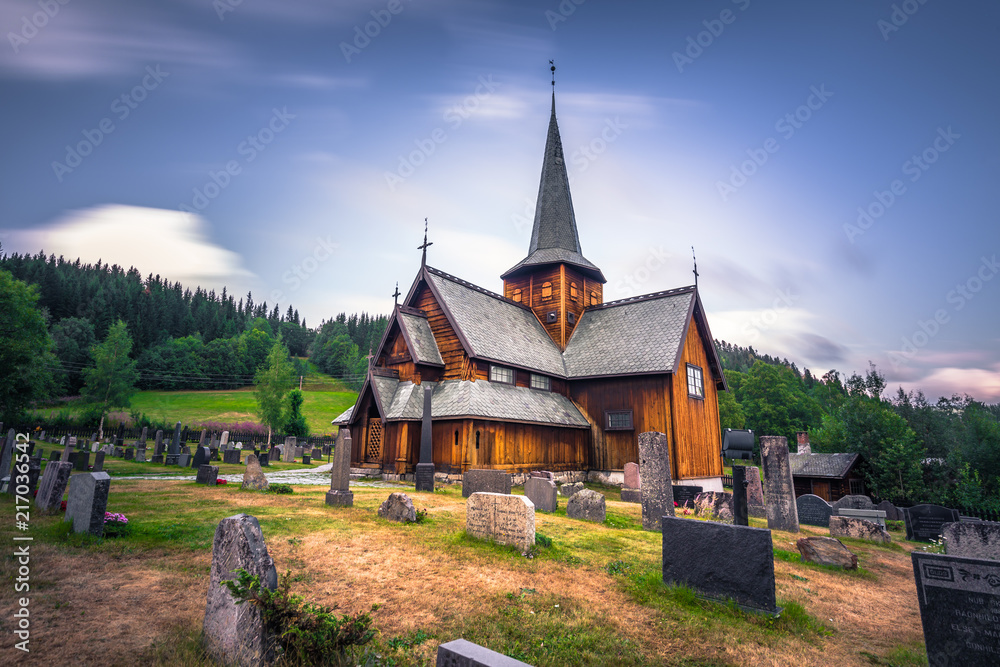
point(555, 280)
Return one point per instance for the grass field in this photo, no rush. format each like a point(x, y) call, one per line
point(191, 407)
point(593, 596)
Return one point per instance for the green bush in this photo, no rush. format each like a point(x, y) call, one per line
point(308, 634)
point(279, 488)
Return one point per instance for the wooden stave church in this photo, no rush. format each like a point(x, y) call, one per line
point(546, 376)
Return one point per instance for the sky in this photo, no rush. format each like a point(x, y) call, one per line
point(833, 165)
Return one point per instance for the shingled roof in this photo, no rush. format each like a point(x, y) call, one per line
point(554, 236)
point(821, 465)
point(419, 339)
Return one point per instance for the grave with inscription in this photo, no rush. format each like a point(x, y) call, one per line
point(855, 502)
point(924, 522)
point(52, 485)
point(892, 513)
point(505, 519)
point(485, 481)
point(542, 493)
point(813, 510)
point(980, 539)
point(88, 498)
point(721, 561)
point(657, 483)
point(959, 607)
point(877, 516)
point(782, 513)
point(684, 494)
point(340, 494)
point(755, 492)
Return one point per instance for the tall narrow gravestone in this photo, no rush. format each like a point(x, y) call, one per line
point(340, 494)
point(288, 450)
point(235, 634)
point(755, 492)
point(174, 451)
point(741, 516)
point(959, 606)
point(158, 444)
point(8, 452)
point(782, 514)
point(657, 486)
point(632, 489)
point(88, 498)
point(424, 475)
point(53, 485)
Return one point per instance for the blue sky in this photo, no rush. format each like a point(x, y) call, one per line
point(295, 148)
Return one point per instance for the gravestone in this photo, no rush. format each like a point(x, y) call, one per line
point(158, 443)
point(141, 443)
point(684, 494)
point(632, 489)
point(94, 446)
point(980, 539)
point(276, 453)
point(721, 561)
point(588, 505)
point(755, 493)
point(340, 494)
point(288, 450)
point(826, 551)
point(569, 489)
point(741, 515)
point(224, 439)
point(959, 604)
point(924, 522)
point(34, 471)
point(300, 452)
point(424, 473)
point(860, 529)
point(316, 453)
point(782, 514)
point(53, 485)
point(207, 475)
point(306, 459)
point(119, 452)
point(892, 513)
point(175, 442)
point(67, 450)
point(54, 455)
point(876, 516)
point(88, 499)
point(8, 451)
point(201, 439)
point(140, 456)
point(82, 461)
point(399, 508)
point(236, 633)
point(854, 503)
point(98, 462)
point(201, 457)
point(542, 493)
point(503, 518)
point(657, 484)
point(253, 477)
point(231, 456)
point(264, 459)
point(714, 504)
point(463, 653)
point(129, 453)
point(485, 481)
point(157, 458)
point(813, 510)
point(213, 454)
point(184, 460)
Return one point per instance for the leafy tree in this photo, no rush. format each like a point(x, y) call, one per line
point(296, 424)
point(730, 411)
point(26, 357)
point(775, 403)
point(110, 383)
point(73, 337)
point(273, 381)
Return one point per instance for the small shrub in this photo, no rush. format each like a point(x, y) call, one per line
point(895, 525)
point(280, 488)
point(116, 525)
point(542, 540)
point(308, 633)
point(421, 515)
point(618, 567)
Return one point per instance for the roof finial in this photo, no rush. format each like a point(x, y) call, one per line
point(695, 267)
point(553, 68)
point(395, 295)
point(423, 259)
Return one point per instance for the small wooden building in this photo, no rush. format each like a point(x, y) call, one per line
point(829, 476)
point(546, 375)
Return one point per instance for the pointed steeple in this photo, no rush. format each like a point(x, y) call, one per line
point(554, 237)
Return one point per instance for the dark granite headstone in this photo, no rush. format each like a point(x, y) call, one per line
point(231, 456)
point(7, 455)
point(54, 455)
point(685, 494)
point(158, 443)
point(340, 494)
point(316, 453)
point(201, 457)
point(236, 634)
point(184, 460)
point(542, 492)
point(892, 513)
point(485, 481)
point(71, 458)
point(959, 607)
point(424, 474)
point(721, 561)
point(82, 461)
point(657, 485)
point(175, 443)
point(53, 485)
point(306, 459)
point(157, 458)
point(88, 499)
point(263, 459)
point(129, 453)
point(463, 653)
point(207, 475)
point(782, 513)
point(813, 510)
point(98, 462)
point(924, 522)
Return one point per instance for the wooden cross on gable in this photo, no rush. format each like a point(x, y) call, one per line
point(423, 259)
point(395, 296)
point(369, 356)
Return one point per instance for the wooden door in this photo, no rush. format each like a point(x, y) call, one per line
point(373, 448)
point(822, 489)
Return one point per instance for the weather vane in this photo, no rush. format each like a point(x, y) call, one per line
point(395, 295)
point(423, 259)
point(695, 267)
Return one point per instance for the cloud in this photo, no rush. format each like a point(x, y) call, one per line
point(819, 348)
point(155, 241)
point(981, 383)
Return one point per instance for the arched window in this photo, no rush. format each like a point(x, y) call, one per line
point(516, 295)
point(546, 290)
point(593, 299)
point(477, 439)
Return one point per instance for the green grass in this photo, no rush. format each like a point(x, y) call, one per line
point(229, 406)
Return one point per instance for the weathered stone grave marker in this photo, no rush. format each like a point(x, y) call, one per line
point(288, 450)
point(542, 493)
point(588, 505)
point(505, 519)
point(569, 489)
point(782, 514)
point(253, 477)
point(855, 502)
point(53, 485)
point(340, 494)
point(463, 653)
point(657, 484)
point(88, 499)
point(399, 508)
point(980, 539)
point(632, 489)
point(207, 475)
point(826, 551)
point(860, 529)
point(485, 481)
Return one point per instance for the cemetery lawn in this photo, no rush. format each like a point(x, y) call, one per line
point(226, 406)
point(592, 597)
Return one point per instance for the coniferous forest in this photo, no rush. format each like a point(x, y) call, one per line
point(55, 311)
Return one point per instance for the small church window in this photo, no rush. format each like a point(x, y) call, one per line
point(501, 374)
point(593, 299)
point(517, 295)
point(546, 290)
point(857, 487)
point(574, 293)
point(541, 382)
point(696, 383)
point(618, 420)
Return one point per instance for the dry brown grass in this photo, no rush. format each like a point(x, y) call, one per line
point(107, 604)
